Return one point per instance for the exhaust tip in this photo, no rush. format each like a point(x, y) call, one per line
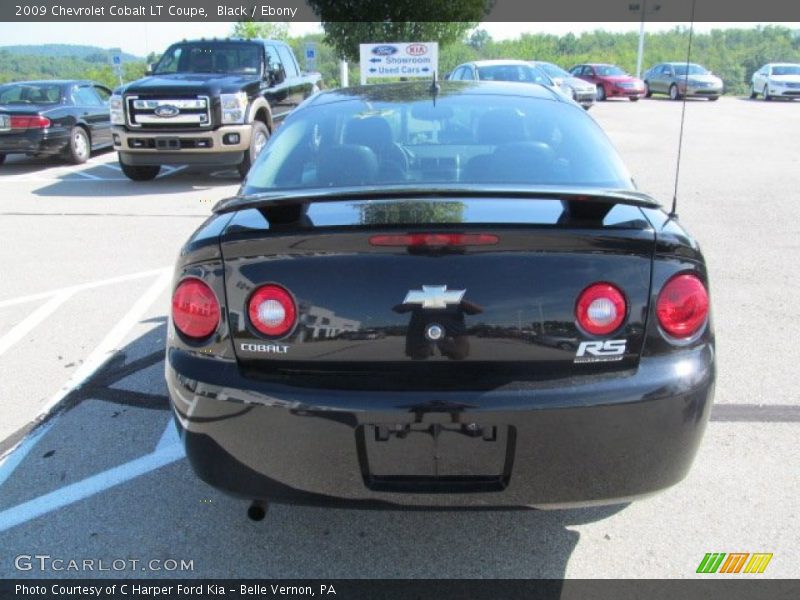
point(257, 511)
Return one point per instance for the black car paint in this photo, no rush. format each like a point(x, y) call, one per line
point(539, 431)
point(64, 116)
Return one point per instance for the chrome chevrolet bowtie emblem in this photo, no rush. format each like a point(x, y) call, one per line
point(434, 296)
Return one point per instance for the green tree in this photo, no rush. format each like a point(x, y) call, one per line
point(442, 21)
point(478, 39)
point(260, 29)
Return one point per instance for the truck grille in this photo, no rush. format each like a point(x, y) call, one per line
point(191, 112)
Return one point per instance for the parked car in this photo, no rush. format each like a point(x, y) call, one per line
point(581, 91)
point(361, 207)
point(66, 118)
point(610, 81)
point(776, 80)
point(679, 79)
point(207, 102)
point(500, 70)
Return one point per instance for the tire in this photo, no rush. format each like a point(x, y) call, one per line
point(647, 92)
point(258, 139)
point(2, 158)
point(140, 173)
point(601, 93)
point(767, 97)
point(79, 147)
point(713, 98)
point(673, 92)
point(753, 92)
point(633, 98)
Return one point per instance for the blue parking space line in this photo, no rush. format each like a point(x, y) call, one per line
point(16, 456)
point(169, 437)
point(22, 513)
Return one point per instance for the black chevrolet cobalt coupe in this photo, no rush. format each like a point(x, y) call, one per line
point(440, 295)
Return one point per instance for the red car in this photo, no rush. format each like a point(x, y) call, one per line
point(611, 81)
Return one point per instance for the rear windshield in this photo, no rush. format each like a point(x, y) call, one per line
point(462, 138)
point(30, 93)
point(212, 57)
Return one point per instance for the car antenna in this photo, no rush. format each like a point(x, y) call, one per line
point(435, 88)
point(673, 214)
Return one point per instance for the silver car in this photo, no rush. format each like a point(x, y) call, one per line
point(500, 70)
point(776, 80)
point(583, 92)
point(679, 79)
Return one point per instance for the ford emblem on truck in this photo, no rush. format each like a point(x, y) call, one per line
point(166, 111)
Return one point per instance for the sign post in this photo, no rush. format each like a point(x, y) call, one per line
point(115, 58)
point(400, 60)
point(311, 56)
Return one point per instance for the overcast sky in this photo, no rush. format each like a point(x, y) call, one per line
point(141, 38)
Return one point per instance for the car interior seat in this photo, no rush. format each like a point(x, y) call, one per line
point(376, 133)
point(346, 165)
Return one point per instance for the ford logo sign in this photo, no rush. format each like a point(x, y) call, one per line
point(166, 111)
point(384, 50)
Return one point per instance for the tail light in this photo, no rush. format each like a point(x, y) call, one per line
point(272, 310)
point(435, 240)
point(600, 309)
point(34, 122)
point(195, 310)
point(682, 306)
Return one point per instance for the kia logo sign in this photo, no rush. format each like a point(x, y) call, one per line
point(416, 49)
point(384, 50)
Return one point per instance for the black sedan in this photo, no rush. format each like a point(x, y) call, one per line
point(458, 220)
point(46, 118)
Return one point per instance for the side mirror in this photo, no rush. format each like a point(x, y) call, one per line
point(277, 75)
point(150, 69)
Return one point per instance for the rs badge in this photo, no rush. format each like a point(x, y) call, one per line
point(607, 351)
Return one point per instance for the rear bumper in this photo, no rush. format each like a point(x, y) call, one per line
point(34, 141)
point(558, 444)
point(214, 147)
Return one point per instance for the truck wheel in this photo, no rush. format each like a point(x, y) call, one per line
point(258, 139)
point(79, 147)
point(139, 173)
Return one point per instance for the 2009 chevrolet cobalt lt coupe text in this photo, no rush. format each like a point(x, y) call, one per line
point(440, 294)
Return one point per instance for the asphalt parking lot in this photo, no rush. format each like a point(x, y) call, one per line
point(85, 272)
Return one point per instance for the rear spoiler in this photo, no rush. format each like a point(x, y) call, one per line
point(301, 197)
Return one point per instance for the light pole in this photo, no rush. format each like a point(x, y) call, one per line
point(642, 8)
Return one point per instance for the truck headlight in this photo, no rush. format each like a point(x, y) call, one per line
point(233, 107)
point(117, 109)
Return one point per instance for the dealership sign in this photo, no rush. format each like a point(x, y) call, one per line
point(382, 61)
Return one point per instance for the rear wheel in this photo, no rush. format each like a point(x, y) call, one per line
point(79, 147)
point(601, 93)
point(140, 172)
point(713, 98)
point(647, 92)
point(673, 92)
point(767, 97)
point(633, 98)
point(258, 139)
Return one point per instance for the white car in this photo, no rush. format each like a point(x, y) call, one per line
point(776, 80)
point(579, 90)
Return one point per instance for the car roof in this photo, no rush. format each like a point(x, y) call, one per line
point(500, 61)
point(783, 64)
point(420, 90)
point(229, 40)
